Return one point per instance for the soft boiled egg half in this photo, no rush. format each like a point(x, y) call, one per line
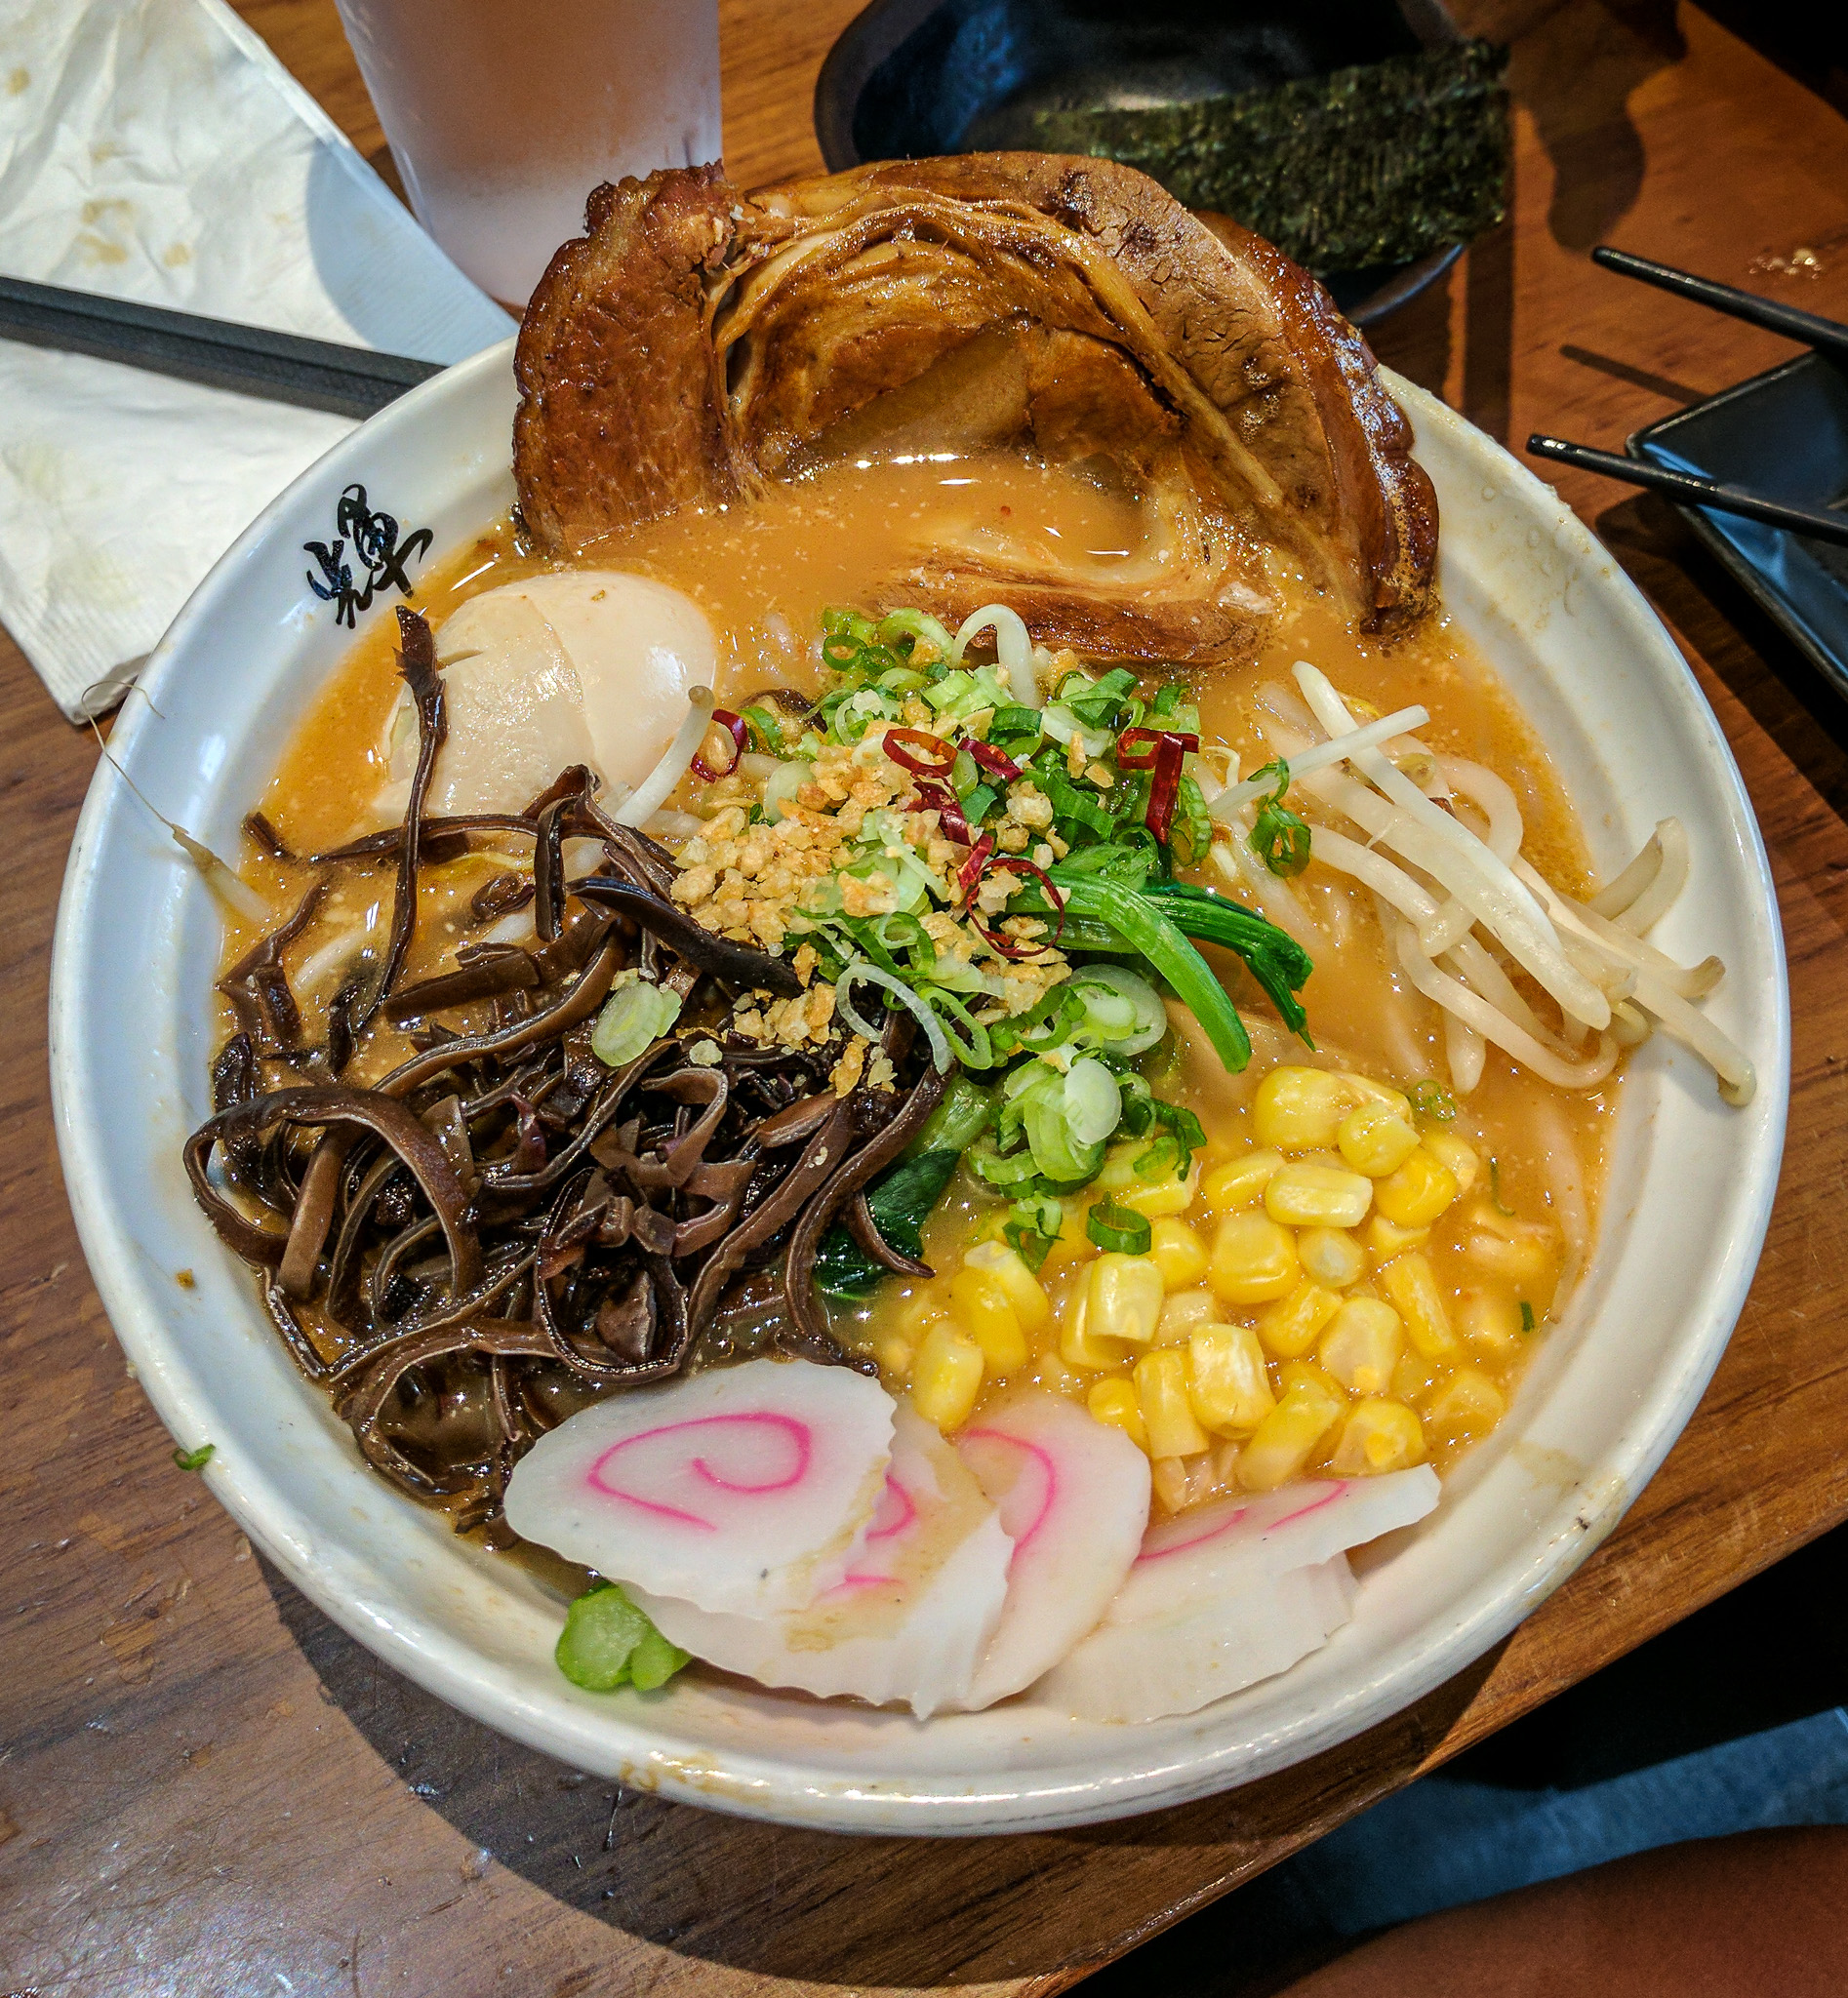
point(589, 666)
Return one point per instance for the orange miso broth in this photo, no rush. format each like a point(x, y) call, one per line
point(1471, 1277)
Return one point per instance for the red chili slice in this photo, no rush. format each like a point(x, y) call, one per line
point(921, 753)
point(1141, 748)
point(741, 735)
point(994, 761)
point(1013, 863)
point(971, 870)
point(997, 938)
point(1165, 785)
point(939, 798)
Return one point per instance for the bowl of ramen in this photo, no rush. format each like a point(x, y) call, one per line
point(930, 1081)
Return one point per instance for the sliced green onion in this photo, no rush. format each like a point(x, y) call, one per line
point(633, 1017)
point(966, 1111)
point(966, 1036)
point(979, 803)
point(843, 621)
point(1071, 804)
point(1062, 726)
point(1057, 1148)
point(860, 972)
point(1432, 1101)
point(607, 1642)
point(858, 711)
point(1093, 1103)
point(915, 624)
point(767, 727)
point(781, 787)
point(194, 1460)
point(1527, 1316)
point(1496, 1201)
point(1014, 720)
point(1122, 1013)
point(1278, 837)
point(1120, 1228)
point(1190, 832)
point(1001, 1169)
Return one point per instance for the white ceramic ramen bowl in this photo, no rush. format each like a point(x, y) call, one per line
point(1691, 1187)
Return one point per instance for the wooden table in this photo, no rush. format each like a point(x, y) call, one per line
point(206, 1789)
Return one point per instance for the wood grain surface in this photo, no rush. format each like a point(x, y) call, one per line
point(206, 1789)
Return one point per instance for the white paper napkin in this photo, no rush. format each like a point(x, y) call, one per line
point(156, 150)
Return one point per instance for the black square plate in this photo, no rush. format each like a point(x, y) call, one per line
point(1784, 435)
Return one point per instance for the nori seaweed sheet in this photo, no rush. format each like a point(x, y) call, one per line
point(1368, 166)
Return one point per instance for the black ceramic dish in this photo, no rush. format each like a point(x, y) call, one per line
point(1784, 435)
point(914, 78)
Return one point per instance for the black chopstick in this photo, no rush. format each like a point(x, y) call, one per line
point(1692, 490)
point(280, 367)
point(1825, 336)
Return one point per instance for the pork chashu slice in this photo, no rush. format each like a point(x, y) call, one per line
point(699, 344)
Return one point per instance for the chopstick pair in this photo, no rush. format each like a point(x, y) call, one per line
point(280, 367)
point(1693, 488)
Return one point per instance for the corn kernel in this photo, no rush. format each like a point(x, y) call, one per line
point(1332, 1256)
point(1118, 1170)
point(1227, 1382)
point(1161, 1386)
point(1417, 1192)
point(1183, 1315)
point(1166, 1195)
point(1114, 1402)
point(1298, 1372)
point(1491, 1321)
point(894, 1353)
point(1524, 1260)
point(1377, 1436)
point(1414, 1379)
point(1456, 1156)
point(1173, 1486)
point(983, 1309)
point(1469, 1404)
point(1363, 1088)
point(922, 1310)
point(1385, 1239)
point(1123, 1297)
point(1052, 1373)
point(1178, 1252)
point(1362, 1345)
point(1411, 1285)
point(1300, 1109)
point(1376, 1139)
point(1025, 1291)
point(1254, 1259)
point(1282, 1443)
point(1293, 1323)
point(945, 1377)
point(1239, 1181)
point(1079, 1346)
point(1309, 1196)
point(1072, 1244)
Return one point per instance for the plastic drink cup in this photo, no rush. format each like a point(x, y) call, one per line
point(503, 118)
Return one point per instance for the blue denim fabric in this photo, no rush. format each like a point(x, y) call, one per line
point(1446, 1841)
